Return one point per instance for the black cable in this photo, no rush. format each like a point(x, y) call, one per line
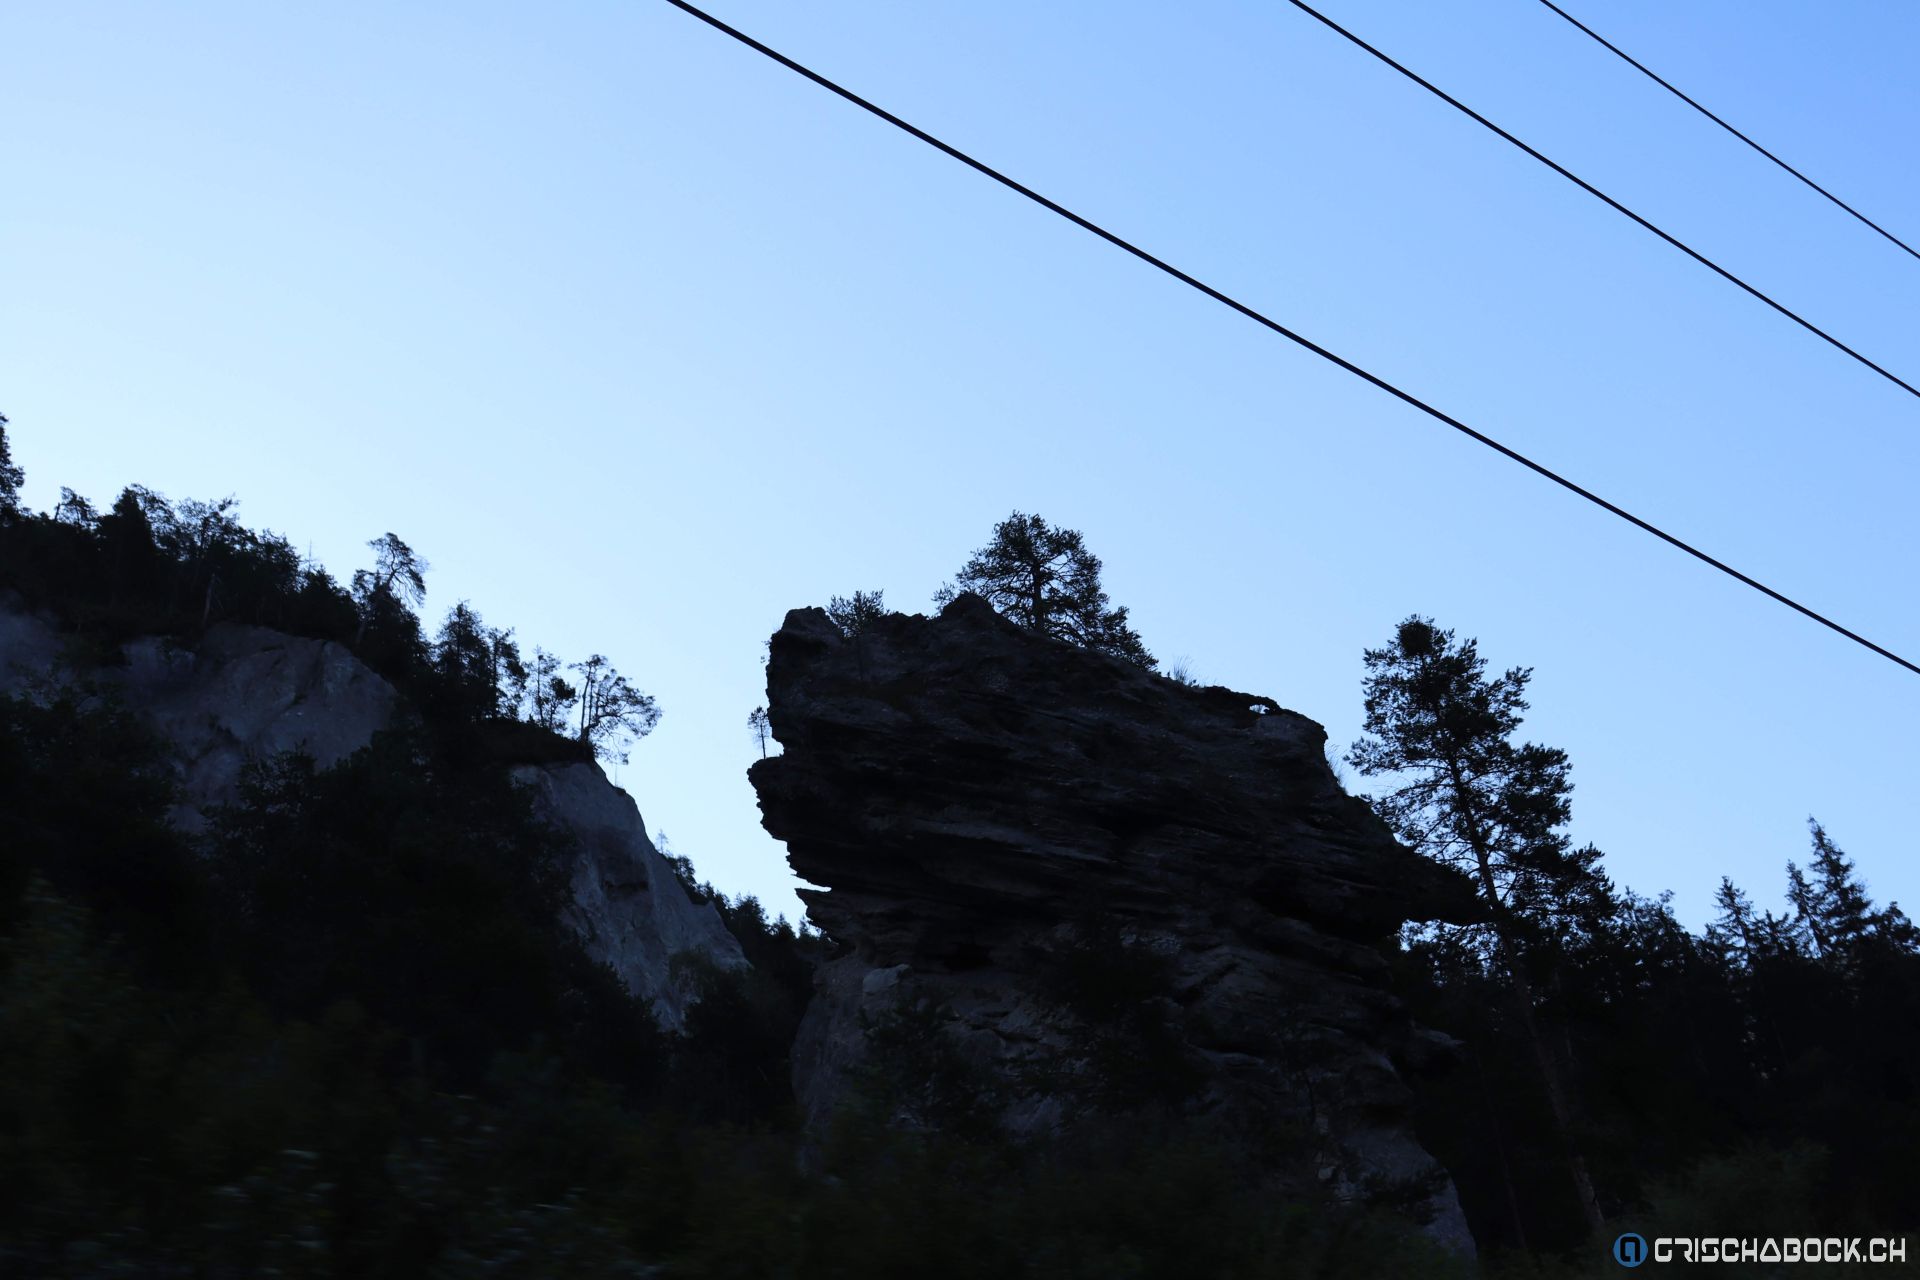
point(1280, 329)
point(1622, 54)
point(1611, 203)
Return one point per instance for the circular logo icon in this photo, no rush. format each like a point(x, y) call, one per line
point(1630, 1250)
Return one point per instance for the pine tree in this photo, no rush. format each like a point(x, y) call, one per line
point(550, 698)
point(132, 557)
point(1840, 902)
point(463, 660)
point(1733, 934)
point(1047, 581)
point(1806, 914)
point(1832, 912)
point(75, 510)
point(855, 615)
point(510, 673)
point(1478, 801)
point(613, 714)
point(11, 476)
point(397, 579)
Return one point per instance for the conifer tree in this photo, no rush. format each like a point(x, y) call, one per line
point(510, 673)
point(11, 476)
point(1476, 800)
point(463, 659)
point(853, 616)
point(1046, 580)
point(1733, 934)
point(1841, 909)
point(75, 510)
point(397, 579)
point(126, 536)
point(550, 699)
point(613, 714)
point(1832, 912)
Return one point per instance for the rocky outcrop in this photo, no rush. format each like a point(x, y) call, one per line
point(990, 813)
point(245, 692)
point(628, 907)
point(240, 693)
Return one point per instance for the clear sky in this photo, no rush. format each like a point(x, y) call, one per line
point(642, 340)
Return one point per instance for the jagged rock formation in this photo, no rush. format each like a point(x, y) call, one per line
point(244, 692)
point(627, 906)
point(983, 806)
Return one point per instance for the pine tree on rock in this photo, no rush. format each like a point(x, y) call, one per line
point(855, 615)
point(613, 714)
point(1047, 581)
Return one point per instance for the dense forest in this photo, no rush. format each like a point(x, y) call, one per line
point(343, 1033)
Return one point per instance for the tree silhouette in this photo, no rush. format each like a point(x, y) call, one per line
point(1832, 913)
point(550, 698)
point(613, 714)
point(1476, 800)
point(464, 663)
point(759, 726)
point(1046, 580)
point(855, 615)
point(510, 673)
point(398, 579)
point(11, 476)
point(75, 510)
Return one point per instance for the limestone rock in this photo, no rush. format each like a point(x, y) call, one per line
point(628, 907)
point(248, 692)
point(244, 692)
point(977, 801)
point(241, 692)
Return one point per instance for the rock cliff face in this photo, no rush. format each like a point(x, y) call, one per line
point(245, 692)
point(988, 810)
point(627, 906)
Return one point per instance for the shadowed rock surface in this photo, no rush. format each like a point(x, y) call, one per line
point(626, 904)
point(244, 692)
point(991, 814)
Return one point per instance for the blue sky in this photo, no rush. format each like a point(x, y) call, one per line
point(642, 341)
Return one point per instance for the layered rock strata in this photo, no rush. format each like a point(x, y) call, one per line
point(986, 810)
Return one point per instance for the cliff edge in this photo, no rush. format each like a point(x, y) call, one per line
point(1069, 867)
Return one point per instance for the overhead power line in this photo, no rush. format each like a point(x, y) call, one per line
point(1602, 196)
point(1291, 336)
point(1622, 54)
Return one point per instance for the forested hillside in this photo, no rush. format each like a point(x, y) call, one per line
point(341, 1032)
